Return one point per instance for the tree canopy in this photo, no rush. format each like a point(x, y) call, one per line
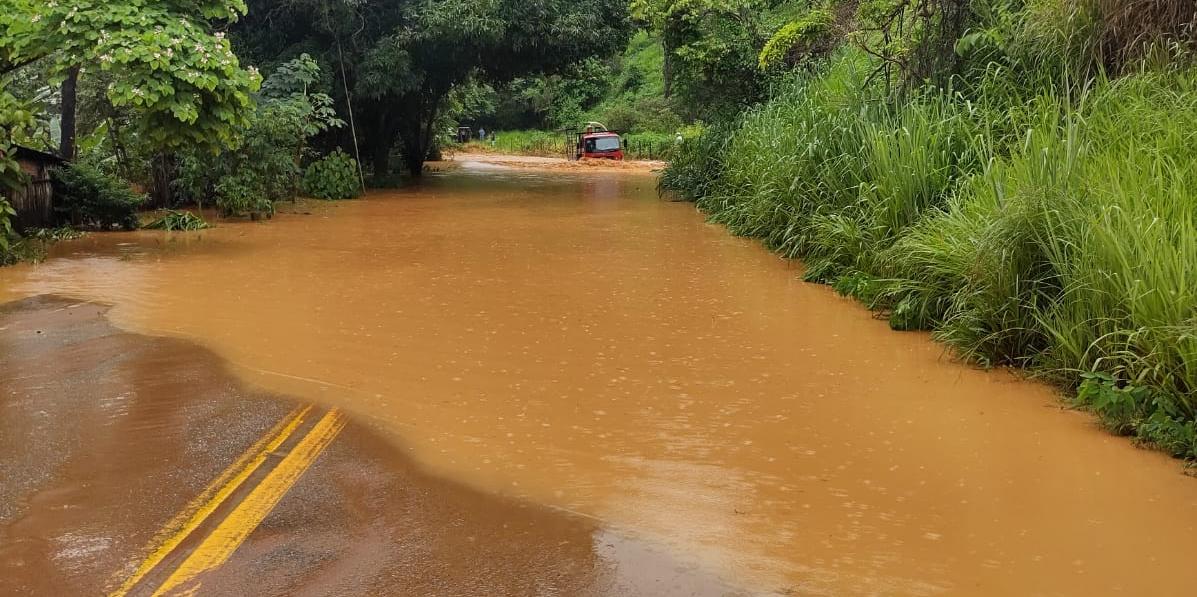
point(401, 60)
point(170, 64)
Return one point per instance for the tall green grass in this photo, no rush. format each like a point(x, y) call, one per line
point(827, 173)
point(1057, 233)
point(531, 142)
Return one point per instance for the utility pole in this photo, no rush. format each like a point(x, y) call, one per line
point(357, 154)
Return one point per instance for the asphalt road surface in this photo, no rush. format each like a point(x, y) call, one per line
point(135, 465)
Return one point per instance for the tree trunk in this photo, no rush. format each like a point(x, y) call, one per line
point(118, 148)
point(163, 172)
point(415, 163)
point(667, 67)
point(380, 139)
point(415, 149)
point(417, 133)
point(70, 95)
point(380, 157)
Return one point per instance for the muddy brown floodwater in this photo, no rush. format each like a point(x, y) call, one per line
point(571, 340)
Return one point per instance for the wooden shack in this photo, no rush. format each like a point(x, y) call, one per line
point(34, 203)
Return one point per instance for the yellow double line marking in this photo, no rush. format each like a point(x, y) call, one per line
point(231, 532)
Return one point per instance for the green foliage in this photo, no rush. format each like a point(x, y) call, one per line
point(1047, 229)
point(333, 177)
point(468, 101)
point(412, 54)
point(858, 285)
point(93, 199)
point(823, 172)
point(11, 176)
point(797, 37)
point(625, 91)
point(182, 79)
point(562, 100)
point(1077, 250)
point(714, 46)
point(6, 231)
point(15, 120)
point(1120, 408)
point(240, 192)
point(175, 82)
point(643, 115)
point(649, 146)
point(539, 143)
point(1170, 433)
point(32, 246)
point(289, 87)
point(697, 165)
point(177, 220)
point(1128, 409)
point(265, 167)
point(635, 101)
point(915, 40)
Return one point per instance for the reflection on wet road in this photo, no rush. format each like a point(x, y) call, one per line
point(573, 342)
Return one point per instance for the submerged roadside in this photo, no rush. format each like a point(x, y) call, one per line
point(108, 439)
point(573, 341)
point(1038, 231)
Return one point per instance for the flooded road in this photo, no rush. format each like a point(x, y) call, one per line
point(568, 340)
point(112, 461)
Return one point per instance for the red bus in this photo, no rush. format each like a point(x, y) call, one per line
point(596, 142)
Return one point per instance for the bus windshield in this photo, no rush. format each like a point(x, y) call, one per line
point(606, 144)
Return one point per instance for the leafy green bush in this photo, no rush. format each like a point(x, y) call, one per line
point(333, 177)
point(11, 175)
point(696, 165)
point(16, 125)
point(177, 220)
point(264, 168)
point(7, 234)
point(643, 115)
point(1128, 409)
point(240, 193)
point(92, 199)
point(796, 37)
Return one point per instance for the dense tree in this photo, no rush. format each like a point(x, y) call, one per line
point(266, 165)
point(712, 48)
point(655, 15)
point(179, 75)
point(400, 60)
point(15, 119)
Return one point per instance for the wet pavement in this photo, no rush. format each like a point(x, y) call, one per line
point(670, 409)
point(108, 435)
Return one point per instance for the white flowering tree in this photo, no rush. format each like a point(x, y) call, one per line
point(166, 61)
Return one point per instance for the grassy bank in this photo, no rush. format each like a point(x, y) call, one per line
point(640, 146)
point(1054, 231)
